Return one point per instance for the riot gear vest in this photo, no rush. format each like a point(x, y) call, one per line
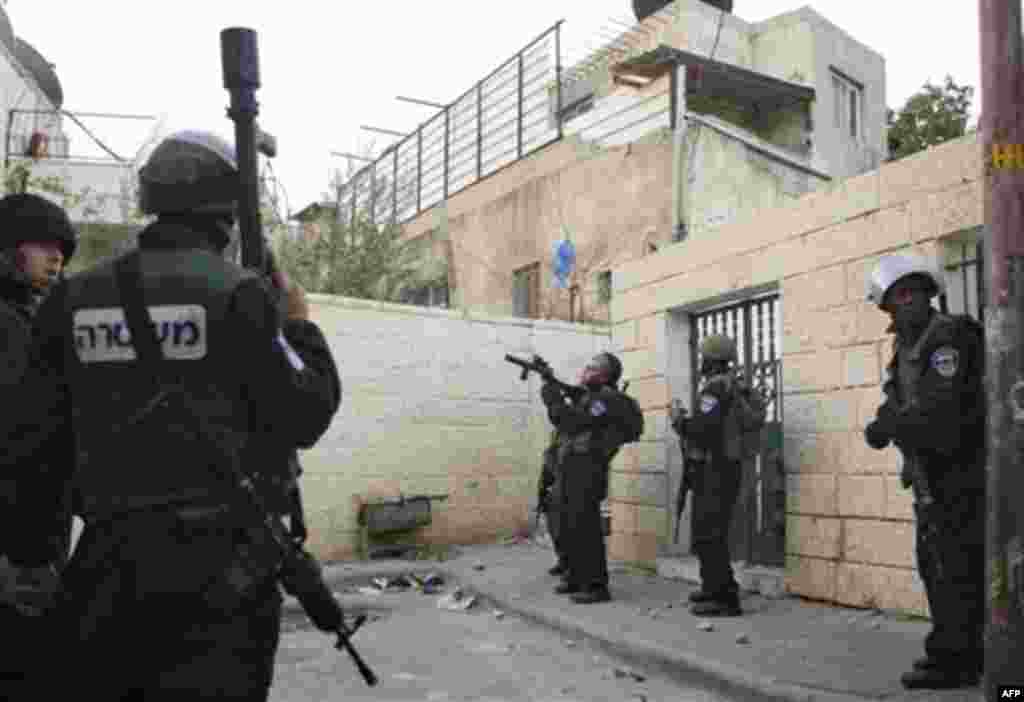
point(134, 449)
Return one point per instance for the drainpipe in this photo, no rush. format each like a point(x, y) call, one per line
point(1002, 136)
point(679, 151)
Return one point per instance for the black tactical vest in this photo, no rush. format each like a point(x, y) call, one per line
point(134, 453)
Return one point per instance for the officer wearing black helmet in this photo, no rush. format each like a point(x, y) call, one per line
point(715, 435)
point(592, 427)
point(935, 413)
point(171, 594)
point(36, 241)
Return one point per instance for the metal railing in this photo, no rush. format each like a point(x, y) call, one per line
point(506, 116)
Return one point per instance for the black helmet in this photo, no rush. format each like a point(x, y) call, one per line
point(28, 217)
point(190, 172)
point(614, 366)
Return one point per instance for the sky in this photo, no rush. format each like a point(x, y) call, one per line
point(328, 68)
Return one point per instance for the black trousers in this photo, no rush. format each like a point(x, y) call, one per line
point(581, 487)
point(136, 625)
point(951, 561)
point(553, 517)
point(716, 489)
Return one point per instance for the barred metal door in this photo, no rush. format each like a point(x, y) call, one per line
point(758, 529)
point(965, 282)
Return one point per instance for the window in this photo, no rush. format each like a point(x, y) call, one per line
point(848, 106)
point(604, 287)
point(526, 291)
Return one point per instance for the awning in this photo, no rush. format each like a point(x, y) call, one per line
point(717, 78)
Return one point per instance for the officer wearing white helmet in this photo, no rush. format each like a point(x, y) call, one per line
point(168, 594)
point(713, 459)
point(935, 413)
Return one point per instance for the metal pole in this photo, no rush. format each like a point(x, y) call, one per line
point(447, 139)
point(394, 190)
point(479, 128)
point(419, 169)
point(1002, 135)
point(558, 78)
point(519, 117)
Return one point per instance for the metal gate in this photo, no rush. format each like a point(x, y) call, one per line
point(758, 529)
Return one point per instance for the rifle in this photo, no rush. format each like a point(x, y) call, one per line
point(539, 366)
point(686, 482)
point(301, 575)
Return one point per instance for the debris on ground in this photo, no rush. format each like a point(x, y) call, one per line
point(427, 584)
point(456, 601)
point(742, 639)
point(653, 613)
point(369, 591)
point(570, 644)
point(478, 566)
point(706, 626)
point(498, 614)
point(621, 673)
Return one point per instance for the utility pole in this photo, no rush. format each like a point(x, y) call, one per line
point(1002, 134)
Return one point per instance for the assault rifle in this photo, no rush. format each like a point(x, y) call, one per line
point(539, 366)
point(301, 575)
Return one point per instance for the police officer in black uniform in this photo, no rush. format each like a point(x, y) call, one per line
point(592, 426)
point(36, 241)
point(546, 503)
point(171, 594)
point(715, 448)
point(935, 413)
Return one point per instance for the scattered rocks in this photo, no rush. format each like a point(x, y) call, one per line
point(742, 639)
point(570, 644)
point(479, 566)
point(498, 614)
point(706, 626)
point(622, 673)
point(456, 601)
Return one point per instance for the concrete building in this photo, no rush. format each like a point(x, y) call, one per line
point(95, 184)
point(692, 119)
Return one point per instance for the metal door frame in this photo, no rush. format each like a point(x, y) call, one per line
point(755, 537)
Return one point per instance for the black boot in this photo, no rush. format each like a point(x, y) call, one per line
point(592, 595)
point(937, 678)
point(700, 596)
point(564, 588)
point(723, 605)
point(557, 569)
point(926, 663)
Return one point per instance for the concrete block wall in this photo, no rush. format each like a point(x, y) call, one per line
point(849, 530)
point(431, 407)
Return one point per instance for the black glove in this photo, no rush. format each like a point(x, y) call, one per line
point(877, 435)
point(551, 394)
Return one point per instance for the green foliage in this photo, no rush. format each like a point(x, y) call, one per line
point(359, 260)
point(931, 116)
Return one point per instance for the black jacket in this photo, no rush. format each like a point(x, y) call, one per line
point(289, 393)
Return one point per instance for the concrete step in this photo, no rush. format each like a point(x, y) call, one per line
point(763, 580)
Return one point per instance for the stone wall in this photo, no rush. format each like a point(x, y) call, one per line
point(849, 530)
point(431, 407)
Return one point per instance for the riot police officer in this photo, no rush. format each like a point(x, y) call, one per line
point(715, 450)
point(171, 592)
point(935, 413)
point(592, 426)
point(37, 240)
point(546, 503)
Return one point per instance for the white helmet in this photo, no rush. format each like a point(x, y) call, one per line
point(895, 267)
point(190, 171)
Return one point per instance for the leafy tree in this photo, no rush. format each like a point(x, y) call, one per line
point(931, 116)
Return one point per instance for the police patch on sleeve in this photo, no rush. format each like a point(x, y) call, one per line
point(293, 358)
point(598, 408)
point(945, 361)
point(708, 403)
point(102, 334)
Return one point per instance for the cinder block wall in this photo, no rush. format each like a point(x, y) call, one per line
point(431, 407)
point(849, 530)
